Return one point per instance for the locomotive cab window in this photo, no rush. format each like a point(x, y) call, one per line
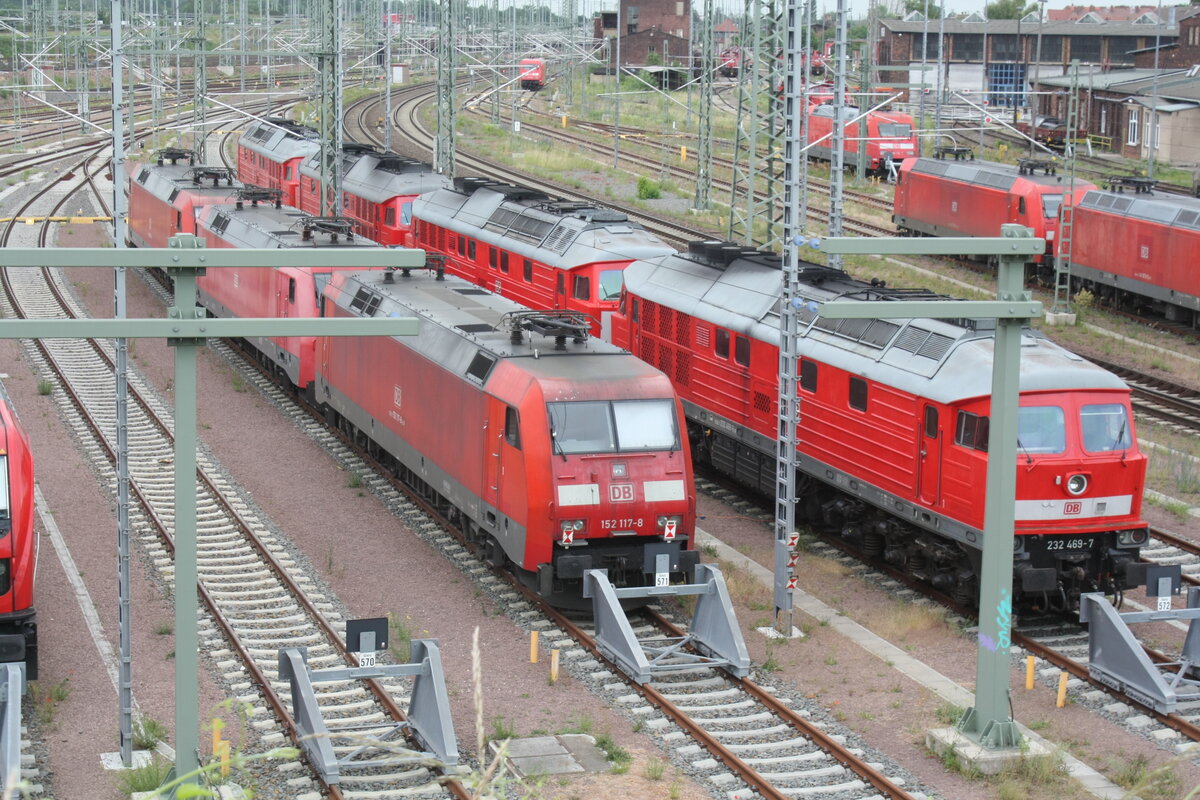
point(5, 511)
point(389, 216)
point(405, 213)
point(617, 426)
point(528, 271)
point(512, 429)
point(1105, 428)
point(611, 281)
point(581, 287)
point(1020, 205)
point(808, 375)
point(722, 344)
point(972, 431)
point(858, 394)
point(1041, 429)
point(291, 290)
point(741, 351)
point(558, 285)
point(1050, 205)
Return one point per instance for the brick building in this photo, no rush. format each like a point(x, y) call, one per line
point(672, 17)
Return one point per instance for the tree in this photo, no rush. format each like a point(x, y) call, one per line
point(1009, 9)
point(934, 8)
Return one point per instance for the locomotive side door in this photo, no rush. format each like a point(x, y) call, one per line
point(929, 456)
point(493, 439)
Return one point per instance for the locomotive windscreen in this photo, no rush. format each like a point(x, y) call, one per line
point(901, 129)
point(1050, 204)
point(619, 426)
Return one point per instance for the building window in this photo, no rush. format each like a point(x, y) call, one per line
point(1131, 136)
point(858, 393)
point(679, 8)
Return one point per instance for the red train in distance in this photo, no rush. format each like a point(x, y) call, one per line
point(532, 75)
point(946, 197)
point(165, 198)
point(378, 190)
point(540, 251)
point(1138, 251)
point(270, 152)
point(890, 136)
point(563, 454)
point(731, 61)
point(893, 434)
point(18, 544)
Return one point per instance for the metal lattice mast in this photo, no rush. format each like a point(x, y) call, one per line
point(496, 61)
point(330, 107)
point(757, 191)
point(387, 75)
point(37, 45)
point(789, 403)
point(444, 144)
point(243, 28)
point(1066, 209)
point(704, 147)
point(570, 16)
point(200, 84)
point(837, 144)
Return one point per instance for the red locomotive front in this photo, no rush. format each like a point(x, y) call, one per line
point(18, 544)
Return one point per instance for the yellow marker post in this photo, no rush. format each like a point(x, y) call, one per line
point(1062, 689)
point(533, 647)
point(224, 759)
point(217, 726)
point(554, 666)
point(1029, 672)
point(683, 154)
point(564, 120)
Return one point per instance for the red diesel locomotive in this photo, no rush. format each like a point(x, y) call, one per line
point(270, 152)
point(890, 136)
point(944, 197)
point(893, 434)
point(18, 544)
point(378, 190)
point(1138, 251)
point(540, 251)
point(564, 453)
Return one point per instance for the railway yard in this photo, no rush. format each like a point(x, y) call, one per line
point(308, 516)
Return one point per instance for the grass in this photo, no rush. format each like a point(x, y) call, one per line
point(45, 387)
point(948, 713)
point(238, 383)
point(502, 730)
point(354, 481)
point(400, 639)
point(145, 778)
point(47, 698)
point(164, 629)
point(654, 769)
point(897, 621)
point(1140, 778)
point(618, 756)
point(147, 733)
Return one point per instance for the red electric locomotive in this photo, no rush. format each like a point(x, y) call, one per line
point(943, 197)
point(890, 136)
point(165, 198)
point(893, 428)
point(533, 74)
point(269, 154)
point(378, 190)
point(18, 544)
point(1139, 251)
point(285, 292)
point(731, 62)
point(536, 249)
point(564, 454)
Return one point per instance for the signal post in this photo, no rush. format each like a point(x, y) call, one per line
point(986, 736)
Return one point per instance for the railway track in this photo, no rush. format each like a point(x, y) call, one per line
point(1173, 403)
point(257, 600)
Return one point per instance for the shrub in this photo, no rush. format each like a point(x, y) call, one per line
point(648, 189)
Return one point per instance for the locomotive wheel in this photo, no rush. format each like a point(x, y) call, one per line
point(496, 554)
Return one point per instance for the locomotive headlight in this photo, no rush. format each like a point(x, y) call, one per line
point(1077, 485)
point(572, 524)
point(1133, 538)
point(664, 521)
point(577, 525)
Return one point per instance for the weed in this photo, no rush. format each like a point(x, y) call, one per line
point(400, 644)
point(45, 387)
point(502, 730)
point(581, 724)
point(148, 732)
point(648, 189)
point(867, 715)
point(238, 383)
point(898, 621)
point(709, 550)
point(146, 778)
point(1139, 777)
point(831, 660)
point(654, 769)
point(617, 756)
point(354, 481)
point(1039, 725)
point(164, 629)
point(639, 725)
point(676, 789)
point(46, 699)
point(948, 713)
point(171, 655)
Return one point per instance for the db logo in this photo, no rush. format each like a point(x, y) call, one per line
point(1144, 252)
point(620, 492)
point(1073, 507)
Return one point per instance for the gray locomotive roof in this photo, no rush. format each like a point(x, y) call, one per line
point(272, 228)
point(988, 173)
point(563, 240)
point(161, 181)
point(930, 358)
point(277, 142)
point(364, 177)
point(1176, 210)
point(459, 319)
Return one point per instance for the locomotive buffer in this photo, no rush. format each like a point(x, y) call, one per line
point(986, 735)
